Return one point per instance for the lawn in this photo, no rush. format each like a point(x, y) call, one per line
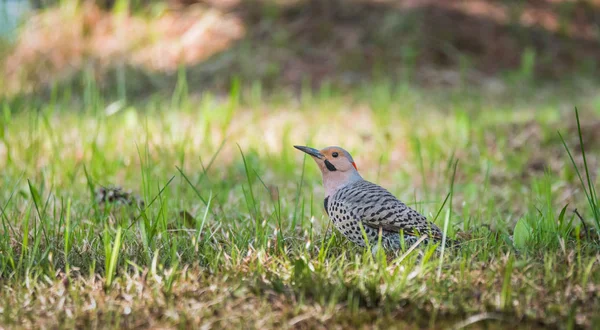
point(232, 232)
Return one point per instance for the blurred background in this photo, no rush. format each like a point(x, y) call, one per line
point(133, 48)
point(192, 107)
point(486, 81)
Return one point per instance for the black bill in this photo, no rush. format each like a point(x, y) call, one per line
point(311, 151)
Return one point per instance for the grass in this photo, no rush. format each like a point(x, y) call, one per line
point(233, 233)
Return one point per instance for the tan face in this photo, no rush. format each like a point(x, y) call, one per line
point(339, 158)
point(331, 159)
point(336, 165)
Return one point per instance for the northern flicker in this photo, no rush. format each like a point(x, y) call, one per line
point(350, 201)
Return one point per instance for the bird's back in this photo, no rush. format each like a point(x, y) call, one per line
point(376, 208)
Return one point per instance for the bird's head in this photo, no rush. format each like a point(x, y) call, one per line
point(336, 165)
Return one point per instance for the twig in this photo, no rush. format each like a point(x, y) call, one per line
point(478, 318)
point(583, 222)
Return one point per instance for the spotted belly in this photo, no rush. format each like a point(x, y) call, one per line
point(350, 227)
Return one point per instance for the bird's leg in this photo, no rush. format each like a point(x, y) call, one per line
point(374, 249)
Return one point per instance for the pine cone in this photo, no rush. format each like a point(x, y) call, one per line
point(117, 196)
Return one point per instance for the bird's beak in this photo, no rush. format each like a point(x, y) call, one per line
point(311, 151)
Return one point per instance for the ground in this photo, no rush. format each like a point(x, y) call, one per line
point(234, 234)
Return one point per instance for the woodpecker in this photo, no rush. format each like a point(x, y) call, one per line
point(352, 202)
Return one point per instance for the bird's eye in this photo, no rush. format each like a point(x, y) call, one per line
point(335, 154)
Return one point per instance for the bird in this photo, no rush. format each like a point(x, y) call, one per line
point(354, 204)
